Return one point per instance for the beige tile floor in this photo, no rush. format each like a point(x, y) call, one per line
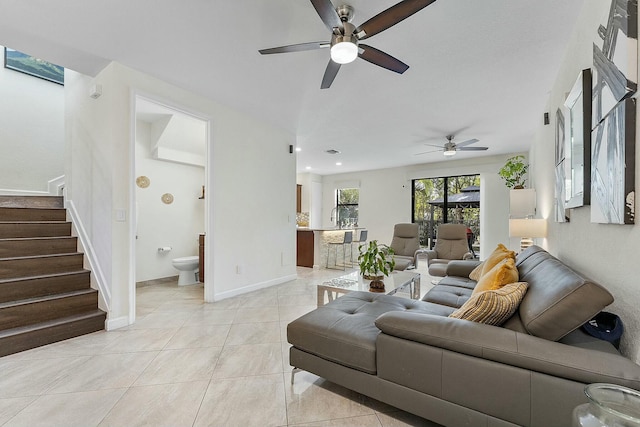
point(187, 363)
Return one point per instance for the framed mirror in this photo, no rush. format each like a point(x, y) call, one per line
point(578, 142)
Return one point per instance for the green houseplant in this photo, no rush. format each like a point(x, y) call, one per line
point(513, 172)
point(376, 261)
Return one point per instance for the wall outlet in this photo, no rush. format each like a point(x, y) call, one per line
point(238, 269)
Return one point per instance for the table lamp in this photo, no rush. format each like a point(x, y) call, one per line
point(527, 229)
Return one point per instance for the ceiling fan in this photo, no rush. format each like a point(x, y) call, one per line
point(345, 37)
point(450, 148)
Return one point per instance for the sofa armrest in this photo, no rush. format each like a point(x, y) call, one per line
point(461, 268)
point(511, 348)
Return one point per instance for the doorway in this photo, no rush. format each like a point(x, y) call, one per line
point(451, 199)
point(169, 211)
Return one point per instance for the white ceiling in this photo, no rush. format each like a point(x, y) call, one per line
point(478, 69)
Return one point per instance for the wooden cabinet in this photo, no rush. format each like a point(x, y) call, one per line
point(201, 257)
point(304, 242)
point(298, 198)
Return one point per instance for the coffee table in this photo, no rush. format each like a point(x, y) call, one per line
point(397, 280)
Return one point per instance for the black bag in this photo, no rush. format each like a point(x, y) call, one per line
point(605, 326)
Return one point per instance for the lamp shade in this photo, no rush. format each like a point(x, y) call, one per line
point(522, 227)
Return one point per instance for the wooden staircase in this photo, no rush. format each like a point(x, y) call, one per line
point(45, 293)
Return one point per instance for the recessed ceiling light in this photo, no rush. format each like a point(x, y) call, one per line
point(308, 167)
point(338, 163)
point(298, 149)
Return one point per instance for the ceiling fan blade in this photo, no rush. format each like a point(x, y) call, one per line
point(471, 148)
point(381, 59)
point(390, 17)
point(327, 13)
point(427, 152)
point(329, 74)
point(295, 47)
point(468, 142)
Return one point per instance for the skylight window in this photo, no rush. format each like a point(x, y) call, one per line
point(18, 61)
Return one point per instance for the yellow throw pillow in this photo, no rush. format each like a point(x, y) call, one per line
point(477, 272)
point(504, 272)
point(500, 253)
point(492, 307)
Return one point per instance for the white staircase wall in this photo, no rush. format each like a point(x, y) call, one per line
point(31, 132)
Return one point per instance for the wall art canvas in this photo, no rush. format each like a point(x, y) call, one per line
point(578, 142)
point(613, 155)
point(615, 58)
point(560, 189)
point(18, 61)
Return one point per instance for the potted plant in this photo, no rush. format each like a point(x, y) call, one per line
point(375, 261)
point(513, 172)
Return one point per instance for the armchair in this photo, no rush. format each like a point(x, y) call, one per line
point(405, 245)
point(451, 244)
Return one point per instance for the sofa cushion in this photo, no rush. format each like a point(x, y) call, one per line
point(504, 272)
point(460, 282)
point(344, 331)
point(499, 253)
point(558, 300)
point(492, 307)
point(452, 296)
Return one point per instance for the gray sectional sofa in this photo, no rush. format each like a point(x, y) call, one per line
point(410, 354)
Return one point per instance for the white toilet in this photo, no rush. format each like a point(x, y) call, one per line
point(188, 267)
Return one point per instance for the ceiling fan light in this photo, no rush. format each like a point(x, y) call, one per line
point(344, 52)
point(450, 153)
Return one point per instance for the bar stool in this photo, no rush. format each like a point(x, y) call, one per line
point(348, 239)
point(362, 239)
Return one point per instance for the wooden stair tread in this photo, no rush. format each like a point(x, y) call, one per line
point(44, 276)
point(35, 202)
point(51, 297)
point(15, 258)
point(33, 222)
point(51, 323)
point(43, 238)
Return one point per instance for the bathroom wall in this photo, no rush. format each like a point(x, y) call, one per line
point(174, 225)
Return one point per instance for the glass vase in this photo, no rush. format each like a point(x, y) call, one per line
point(609, 405)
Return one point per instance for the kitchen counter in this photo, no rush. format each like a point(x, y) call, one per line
point(320, 241)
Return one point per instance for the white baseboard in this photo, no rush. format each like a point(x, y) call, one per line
point(56, 185)
point(103, 291)
point(117, 323)
point(253, 287)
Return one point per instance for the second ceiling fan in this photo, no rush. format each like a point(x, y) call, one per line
point(345, 37)
point(450, 148)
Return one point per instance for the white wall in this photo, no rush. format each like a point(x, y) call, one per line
point(31, 131)
point(250, 196)
point(176, 225)
point(385, 197)
point(606, 253)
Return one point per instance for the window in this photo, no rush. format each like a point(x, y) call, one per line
point(347, 206)
point(454, 199)
point(27, 64)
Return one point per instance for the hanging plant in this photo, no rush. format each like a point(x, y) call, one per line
point(513, 172)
